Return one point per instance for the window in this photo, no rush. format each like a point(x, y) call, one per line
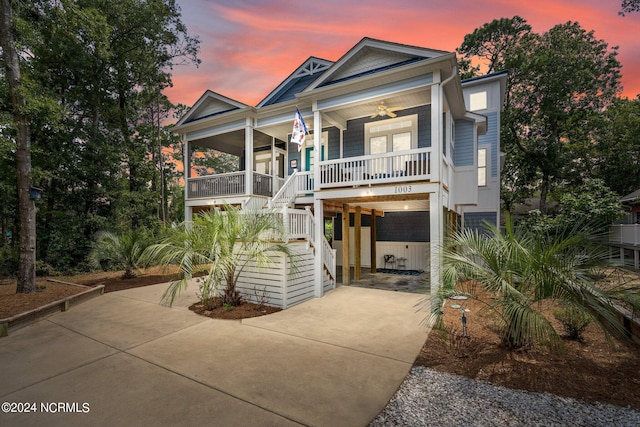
point(390, 136)
point(482, 167)
point(262, 162)
point(478, 101)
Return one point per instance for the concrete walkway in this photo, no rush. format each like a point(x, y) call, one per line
point(124, 359)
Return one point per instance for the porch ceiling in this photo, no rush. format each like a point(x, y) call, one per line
point(383, 204)
point(366, 107)
point(338, 116)
point(232, 142)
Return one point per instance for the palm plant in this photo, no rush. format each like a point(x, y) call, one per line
point(520, 269)
point(119, 251)
point(220, 244)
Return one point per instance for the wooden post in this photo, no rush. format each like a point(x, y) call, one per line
point(374, 267)
point(358, 242)
point(346, 271)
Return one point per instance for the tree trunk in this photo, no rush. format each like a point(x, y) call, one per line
point(544, 190)
point(27, 207)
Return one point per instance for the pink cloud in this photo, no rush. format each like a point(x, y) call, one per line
point(249, 47)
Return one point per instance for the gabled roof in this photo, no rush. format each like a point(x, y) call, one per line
point(631, 198)
point(371, 56)
point(210, 104)
point(297, 81)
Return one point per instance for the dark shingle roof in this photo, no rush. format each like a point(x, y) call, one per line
point(632, 198)
point(376, 70)
point(290, 90)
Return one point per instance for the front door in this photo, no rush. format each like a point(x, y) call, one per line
point(309, 157)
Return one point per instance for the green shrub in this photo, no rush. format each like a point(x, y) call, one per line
point(120, 251)
point(574, 321)
point(9, 261)
point(521, 267)
point(44, 269)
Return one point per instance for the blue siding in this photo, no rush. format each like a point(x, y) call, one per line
point(475, 220)
point(333, 144)
point(491, 138)
point(463, 152)
point(393, 227)
point(293, 155)
point(333, 147)
point(424, 126)
point(353, 139)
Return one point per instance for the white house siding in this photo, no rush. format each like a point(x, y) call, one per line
point(276, 282)
point(300, 286)
point(416, 253)
point(264, 280)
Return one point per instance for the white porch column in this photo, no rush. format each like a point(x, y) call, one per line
point(319, 232)
point(248, 156)
point(436, 231)
point(436, 128)
point(274, 173)
point(188, 212)
point(317, 142)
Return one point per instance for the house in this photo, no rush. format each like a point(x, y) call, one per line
point(399, 151)
point(624, 236)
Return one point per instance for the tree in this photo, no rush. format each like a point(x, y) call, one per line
point(559, 83)
point(629, 6)
point(21, 120)
point(102, 67)
point(221, 244)
point(522, 267)
point(616, 157)
point(496, 46)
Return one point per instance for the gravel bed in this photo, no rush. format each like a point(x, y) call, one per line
point(431, 398)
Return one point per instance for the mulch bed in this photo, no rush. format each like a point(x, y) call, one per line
point(593, 370)
point(245, 310)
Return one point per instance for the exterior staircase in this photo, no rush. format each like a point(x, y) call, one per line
point(299, 223)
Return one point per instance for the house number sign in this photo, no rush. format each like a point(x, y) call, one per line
point(403, 189)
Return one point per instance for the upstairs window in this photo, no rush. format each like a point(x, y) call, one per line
point(391, 136)
point(482, 167)
point(478, 101)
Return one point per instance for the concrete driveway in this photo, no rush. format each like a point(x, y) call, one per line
point(124, 359)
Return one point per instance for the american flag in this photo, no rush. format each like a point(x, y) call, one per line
point(299, 130)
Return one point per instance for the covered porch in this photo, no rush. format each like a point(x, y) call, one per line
point(416, 223)
point(237, 163)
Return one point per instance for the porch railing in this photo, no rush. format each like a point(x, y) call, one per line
point(300, 224)
point(224, 184)
point(304, 183)
point(262, 184)
point(228, 184)
point(625, 234)
point(398, 166)
point(286, 194)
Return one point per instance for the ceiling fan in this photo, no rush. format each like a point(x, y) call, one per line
point(383, 110)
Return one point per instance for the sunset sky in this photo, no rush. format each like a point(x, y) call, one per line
point(249, 46)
